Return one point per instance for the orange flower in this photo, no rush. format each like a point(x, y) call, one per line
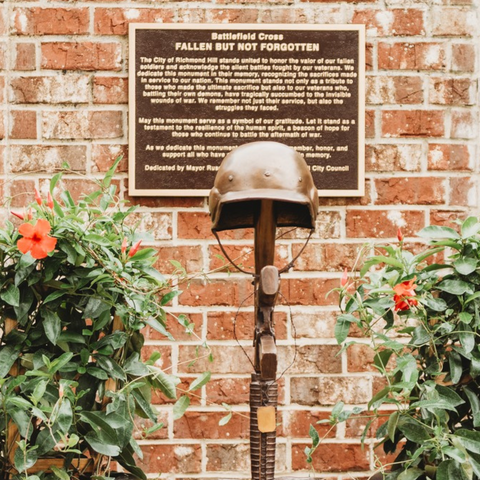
point(124, 245)
point(400, 234)
point(134, 249)
point(50, 201)
point(36, 239)
point(403, 293)
point(344, 279)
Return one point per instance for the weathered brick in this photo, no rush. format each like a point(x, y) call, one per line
point(389, 158)
point(394, 90)
point(195, 225)
point(309, 359)
point(464, 124)
point(183, 458)
point(332, 457)
point(201, 425)
point(175, 328)
point(50, 21)
point(446, 218)
point(383, 223)
point(81, 56)
point(411, 56)
point(2, 125)
point(226, 359)
point(360, 358)
point(21, 192)
point(308, 291)
point(463, 57)
point(3, 50)
point(159, 224)
point(82, 124)
point(51, 89)
point(452, 91)
point(370, 123)
point(463, 192)
point(323, 390)
point(391, 22)
point(410, 190)
point(320, 324)
point(142, 424)
point(453, 21)
point(296, 423)
point(450, 157)
point(413, 123)
point(23, 124)
point(233, 15)
point(228, 457)
point(114, 21)
point(233, 391)
point(24, 58)
point(103, 157)
point(110, 90)
point(47, 158)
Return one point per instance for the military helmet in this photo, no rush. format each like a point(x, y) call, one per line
point(263, 170)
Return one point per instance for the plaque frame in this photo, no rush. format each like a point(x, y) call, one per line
point(135, 190)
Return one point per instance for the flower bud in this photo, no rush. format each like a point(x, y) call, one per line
point(18, 215)
point(134, 249)
point(400, 234)
point(50, 201)
point(124, 245)
point(38, 198)
point(344, 279)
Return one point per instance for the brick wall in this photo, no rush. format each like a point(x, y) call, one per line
point(63, 94)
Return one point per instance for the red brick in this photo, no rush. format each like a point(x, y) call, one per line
point(141, 424)
point(388, 158)
point(22, 193)
point(82, 124)
point(392, 22)
point(24, 124)
point(78, 188)
point(54, 89)
point(3, 49)
point(204, 425)
point(51, 21)
point(453, 21)
point(370, 123)
point(410, 190)
point(47, 158)
point(463, 192)
point(330, 257)
point(110, 90)
point(383, 223)
point(176, 458)
point(308, 291)
point(394, 90)
point(296, 423)
point(412, 123)
point(411, 56)
point(463, 58)
point(464, 124)
point(452, 91)
point(175, 328)
point(241, 255)
point(446, 218)
point(103, 157)
point(233, 391)
point(309, 359)
point(114, 21)
point(225, 325)
point(233, 15)
point(228, 292)
point(165, 361)
point(332, 457)
point(189, 256)
point(24, 57)
point(2, 159)
point(444, 157)
point(360, 358)
point(355, 425)
point(195, 225)
point(81, 56)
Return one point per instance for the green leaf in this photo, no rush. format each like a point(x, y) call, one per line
point(98, 239)
point(200, 381)
point(470, 439)
point(474, 404)
point(165, 383)
point(144, 405)
point(454, 286)
point(467, 338)
point(342, 327)
point(159, 327)
point(59, 473)
point(52, 325)
point(470, 227)
point(455, 364)
point(224, 420)
point(410, 474)
point(435, 231)
point(392, 424)
point(313, 434)
point(413, 430)
point(54, 295)
point(11, 295)
point(8, 356)
point(180, 406)
point(436, 304)
point(25, 460)
point(465, 317)
point(65, 415)
point(465, 265)
point(169, 296)
point(449, 395)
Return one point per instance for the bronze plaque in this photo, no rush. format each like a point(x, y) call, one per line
point(198, 91)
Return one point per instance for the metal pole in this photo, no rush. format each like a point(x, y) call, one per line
point(263, 387)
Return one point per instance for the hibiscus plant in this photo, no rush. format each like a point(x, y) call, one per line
point(419, 312)
point(76, 291)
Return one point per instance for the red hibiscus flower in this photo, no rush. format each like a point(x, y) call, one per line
point(403, 295)
point(36, 239)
